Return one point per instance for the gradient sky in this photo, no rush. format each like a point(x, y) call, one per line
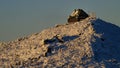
point(19, 18)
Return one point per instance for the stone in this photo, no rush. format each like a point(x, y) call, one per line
point(77, 15)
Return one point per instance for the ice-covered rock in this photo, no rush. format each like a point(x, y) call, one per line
point(77, 15)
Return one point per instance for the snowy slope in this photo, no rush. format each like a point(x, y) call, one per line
point(88, 43)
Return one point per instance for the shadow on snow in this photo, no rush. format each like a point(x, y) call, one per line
point(107, 47)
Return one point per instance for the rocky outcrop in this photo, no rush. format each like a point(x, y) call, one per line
point(77, 15)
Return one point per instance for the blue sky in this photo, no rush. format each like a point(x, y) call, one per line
point(20, 18)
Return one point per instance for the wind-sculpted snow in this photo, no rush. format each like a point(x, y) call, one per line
point(107, 48)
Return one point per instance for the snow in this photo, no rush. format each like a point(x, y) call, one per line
point(90, 43)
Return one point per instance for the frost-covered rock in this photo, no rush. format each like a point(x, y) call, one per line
point(77, 15)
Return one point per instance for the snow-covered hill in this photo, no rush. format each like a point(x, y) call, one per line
point(91, 43)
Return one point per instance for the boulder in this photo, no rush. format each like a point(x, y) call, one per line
point(77, 15)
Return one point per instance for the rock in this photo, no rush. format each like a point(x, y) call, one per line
point(77, 15)
point(56, 38)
